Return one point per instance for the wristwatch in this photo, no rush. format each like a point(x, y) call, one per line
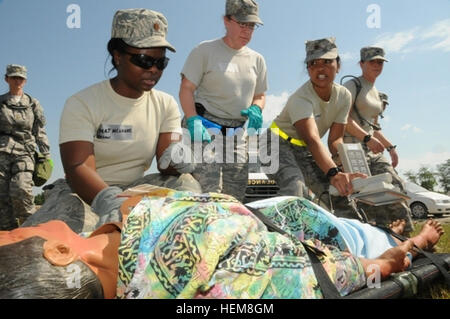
point(333, 172)
point(367, 138)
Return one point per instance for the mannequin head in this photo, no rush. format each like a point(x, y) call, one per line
point(37, 255)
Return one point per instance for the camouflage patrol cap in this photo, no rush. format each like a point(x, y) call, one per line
point(383, 97)
point(372, 53)
point(16, 70)
point(141, 28)
point(243, 10)
point(321, 49)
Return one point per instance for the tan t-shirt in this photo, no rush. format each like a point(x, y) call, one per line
point(124, 131)
point(305, 103)
point(226, 79)
point(368, 103)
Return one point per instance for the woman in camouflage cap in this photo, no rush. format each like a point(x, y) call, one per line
point(22, 134)
point(317, 107)
point(223, 84)
point(111, 131)
point(363, 127)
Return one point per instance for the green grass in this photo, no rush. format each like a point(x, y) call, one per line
point(443, 245)
point(438, 290)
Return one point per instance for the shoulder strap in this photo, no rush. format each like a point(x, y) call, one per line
point(33, 105)
point(358, 85)
point(327, 287)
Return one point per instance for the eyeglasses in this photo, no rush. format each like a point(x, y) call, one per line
point(146, 61)
point(246, 25)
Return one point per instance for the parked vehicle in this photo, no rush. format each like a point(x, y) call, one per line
point(424, 202)
point(260, 187)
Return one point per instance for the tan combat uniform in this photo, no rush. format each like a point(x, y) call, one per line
point(22, 130)
point(370, 107)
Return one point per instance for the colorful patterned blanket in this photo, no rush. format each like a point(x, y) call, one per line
point(211, 246)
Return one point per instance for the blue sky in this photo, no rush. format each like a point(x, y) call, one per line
point(415, 35)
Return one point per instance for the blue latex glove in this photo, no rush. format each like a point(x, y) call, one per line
point(254, 115)
point(197, 130)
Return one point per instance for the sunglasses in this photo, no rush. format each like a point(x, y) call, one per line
point(317, 62)
point(146, 61)
point(247, 25)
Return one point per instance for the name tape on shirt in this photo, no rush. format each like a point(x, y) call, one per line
point(115, 132)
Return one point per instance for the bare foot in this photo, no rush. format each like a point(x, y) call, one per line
point(398, 226)
point(392, 260)
point(429, 235)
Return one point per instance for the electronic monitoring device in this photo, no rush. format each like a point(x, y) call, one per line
point(374, 190)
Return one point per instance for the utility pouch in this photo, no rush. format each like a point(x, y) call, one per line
point(42, 169)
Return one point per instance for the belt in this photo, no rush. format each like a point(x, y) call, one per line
point(200, 109)
point(276, 130)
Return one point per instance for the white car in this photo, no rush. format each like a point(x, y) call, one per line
point(424, 202)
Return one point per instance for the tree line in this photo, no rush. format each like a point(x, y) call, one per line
point(428, 179)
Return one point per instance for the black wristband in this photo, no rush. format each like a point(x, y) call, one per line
point(333, 172)
point(390, 148)
point(367, 138)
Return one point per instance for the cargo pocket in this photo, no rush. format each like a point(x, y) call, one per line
point(23, 164)
point(30, 148)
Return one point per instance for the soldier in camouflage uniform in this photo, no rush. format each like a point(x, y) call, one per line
point(363, 127)
point(22, 131)
point(226, 94)
point(317, 107)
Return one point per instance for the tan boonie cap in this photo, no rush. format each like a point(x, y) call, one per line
point(141, 28)
point(243, 10)
point(16, 70)
point(383, 97)
point(321, 49)
point(372, 53)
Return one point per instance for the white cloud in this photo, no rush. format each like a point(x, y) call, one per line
point(409, 127)
point(274, 105)
point(349, 56)
point(435, 37)
point(440, 33)
point(396, 42)
point(406, 127)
